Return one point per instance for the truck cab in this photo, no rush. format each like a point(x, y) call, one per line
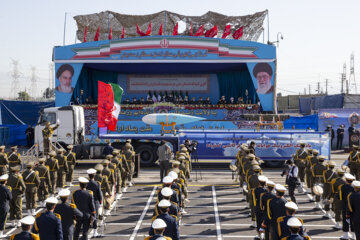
point(71, 122)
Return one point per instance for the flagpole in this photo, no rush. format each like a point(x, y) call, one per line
point(64, 29)
point(268, 25)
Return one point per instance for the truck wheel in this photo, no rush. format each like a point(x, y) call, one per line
point(274, 164)
point(147, 156)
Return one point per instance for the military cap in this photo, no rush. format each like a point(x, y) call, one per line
point(318, 190)
point(251, 156)
point(256, 168)
point(356, 184)
point(349, 176)
point(30, 164)
point(254, 162)
point(167, 179)
point(310, 150)
point(167, 192)
point(2, 147)
point(329, 126)
point(52, 153)
point(106, 161)
point(99, 167)
point(109, 156)
point(61, 150)
point(28, 220)
point(83, 180)
point(280, 188)
point(42, 160)
point(182, 154)
point(70, 146)
point(175, 163)
point(4, 177)
point(158, 224)
point(294, 222)
point(322, 157)
point(184, 149)
point(91, 171)
point(246, 149)
point(302, 144)
point(315, 151)
point(332, 163)
point(107, 140)
point(173, 175)
point(14, 147)
point(270, 183)
point(15, 168)
point(164, 203)
point(181, 158)
point(182, 145)
point(47, 123)
point(161, 238)
point(262, 178)
point(64, 193)
point(340, 171)
point(291, 205)
point(356, 147)
point(115, 152)
point(128, 140)
point(52, 200)
point(127, 145)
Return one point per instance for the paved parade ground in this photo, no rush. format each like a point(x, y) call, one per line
point(217, 209)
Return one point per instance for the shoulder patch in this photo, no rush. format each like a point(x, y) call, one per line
point(9, 188)
point(35, 236)
point(91, 192)
point(38, 215)
point(301, 220)
point(20, 177)
point(58, 215)
point(280, 219)
point(72, 205)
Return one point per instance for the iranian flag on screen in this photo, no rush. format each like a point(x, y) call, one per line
point(109, 99)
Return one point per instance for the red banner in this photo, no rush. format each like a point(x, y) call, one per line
point(200, 31)
point(110, 33)
point(105, 106)
point(191, 30)
point(85, 34)
point(227, 31)
point(175, 31)
point(148, 31)
point(211, 32)
point(238, 33)
point(96, 38)
point(161, 30)
point(138, 30)
point(123, 32)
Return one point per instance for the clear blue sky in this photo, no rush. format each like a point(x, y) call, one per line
point(319, 36)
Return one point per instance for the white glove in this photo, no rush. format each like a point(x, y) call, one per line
point(261, 230)
point(348, 220)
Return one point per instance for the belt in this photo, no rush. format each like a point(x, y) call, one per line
point(42, 177)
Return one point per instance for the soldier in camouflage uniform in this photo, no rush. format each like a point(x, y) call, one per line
point(300, 160)
point(63, 169)
point(117, 163)
point(354, 158)
point(311, 161)
point(104, 184)
point(108, 172)
point(71, 162)
point(47, 133)
point(16, 182)
point(14, 157)
point(53, 165)
point(3, 161)
point(124, 169)
point(45, 184)
point(329, 175)
point(130, 159)
point(181, 177)
point(32, 182)
point(318, 178)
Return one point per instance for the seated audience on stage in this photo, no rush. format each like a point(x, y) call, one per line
point(222, 100)
point(186, 100)
point(200, 101)
point(134, 101)
point(232, 101)
point(142, 101)
point(207, 101)
point(240, 100)
point(149, 100)
point(193, 101)
point(89, 100)
point(126, 101)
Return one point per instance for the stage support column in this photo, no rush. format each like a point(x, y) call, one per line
point(275, 93)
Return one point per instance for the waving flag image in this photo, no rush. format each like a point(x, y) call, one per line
point(109, 99)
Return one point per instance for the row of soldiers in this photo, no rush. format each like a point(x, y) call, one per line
point(271, 214)
point(85, 205)
point(326, 182)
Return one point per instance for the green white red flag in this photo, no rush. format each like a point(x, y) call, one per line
point(109, 99)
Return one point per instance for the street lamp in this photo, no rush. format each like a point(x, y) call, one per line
point(279, 37)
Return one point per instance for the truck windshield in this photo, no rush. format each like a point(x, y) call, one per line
point(47, 117)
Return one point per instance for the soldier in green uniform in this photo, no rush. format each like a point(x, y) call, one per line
point(71, 162)
point(16, 182)
point(124, 170)
point(354, 158)
point(32, 182)
point(14, 157)
point(328, 176)
point(108, 172)
point(308, 168)
point(335, 197)
point(117, 164)
point(63, 169)
point(312, 160)
point(130, 158)
point(181, 177)
point(3, 161)
point(318, 178)
point(47, 133)
point(104, 184)
point(53, 165)
point(187, 162)
point(300, 160)
point(45, 184)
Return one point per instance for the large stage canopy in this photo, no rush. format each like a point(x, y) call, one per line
point(253, 24)
point(197, 65)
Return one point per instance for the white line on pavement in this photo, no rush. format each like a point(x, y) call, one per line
point(216, 211)
point(136, 229)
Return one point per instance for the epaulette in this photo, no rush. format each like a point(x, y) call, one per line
point(302, 222)
point(38, 215)
point(20, 177)
point(307, 237)
point(153, 218)
point(9, 188)
point(36, 172)
point(58, 216)
point(72, 205)
point(174, 203)
point(91, 192)
point(35, 236)
point(284, 238)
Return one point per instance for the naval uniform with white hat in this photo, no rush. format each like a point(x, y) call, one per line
point(264, 197)
point(294, 225)
point(84, 201)
point(159, 226)
point(344, 192)
point(275, 208)
point(5, 197)
point(48, 223)
point(172, 229)
point(68, 213)
point(257, 192)
point(353, 213)
point(167, 182)
point(26, 224)
point(173, 209)
point(283, 229)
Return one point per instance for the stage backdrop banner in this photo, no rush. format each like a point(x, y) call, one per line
point(66, 76)
point(337, 117)
point(263, 77)
point(185, 83)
